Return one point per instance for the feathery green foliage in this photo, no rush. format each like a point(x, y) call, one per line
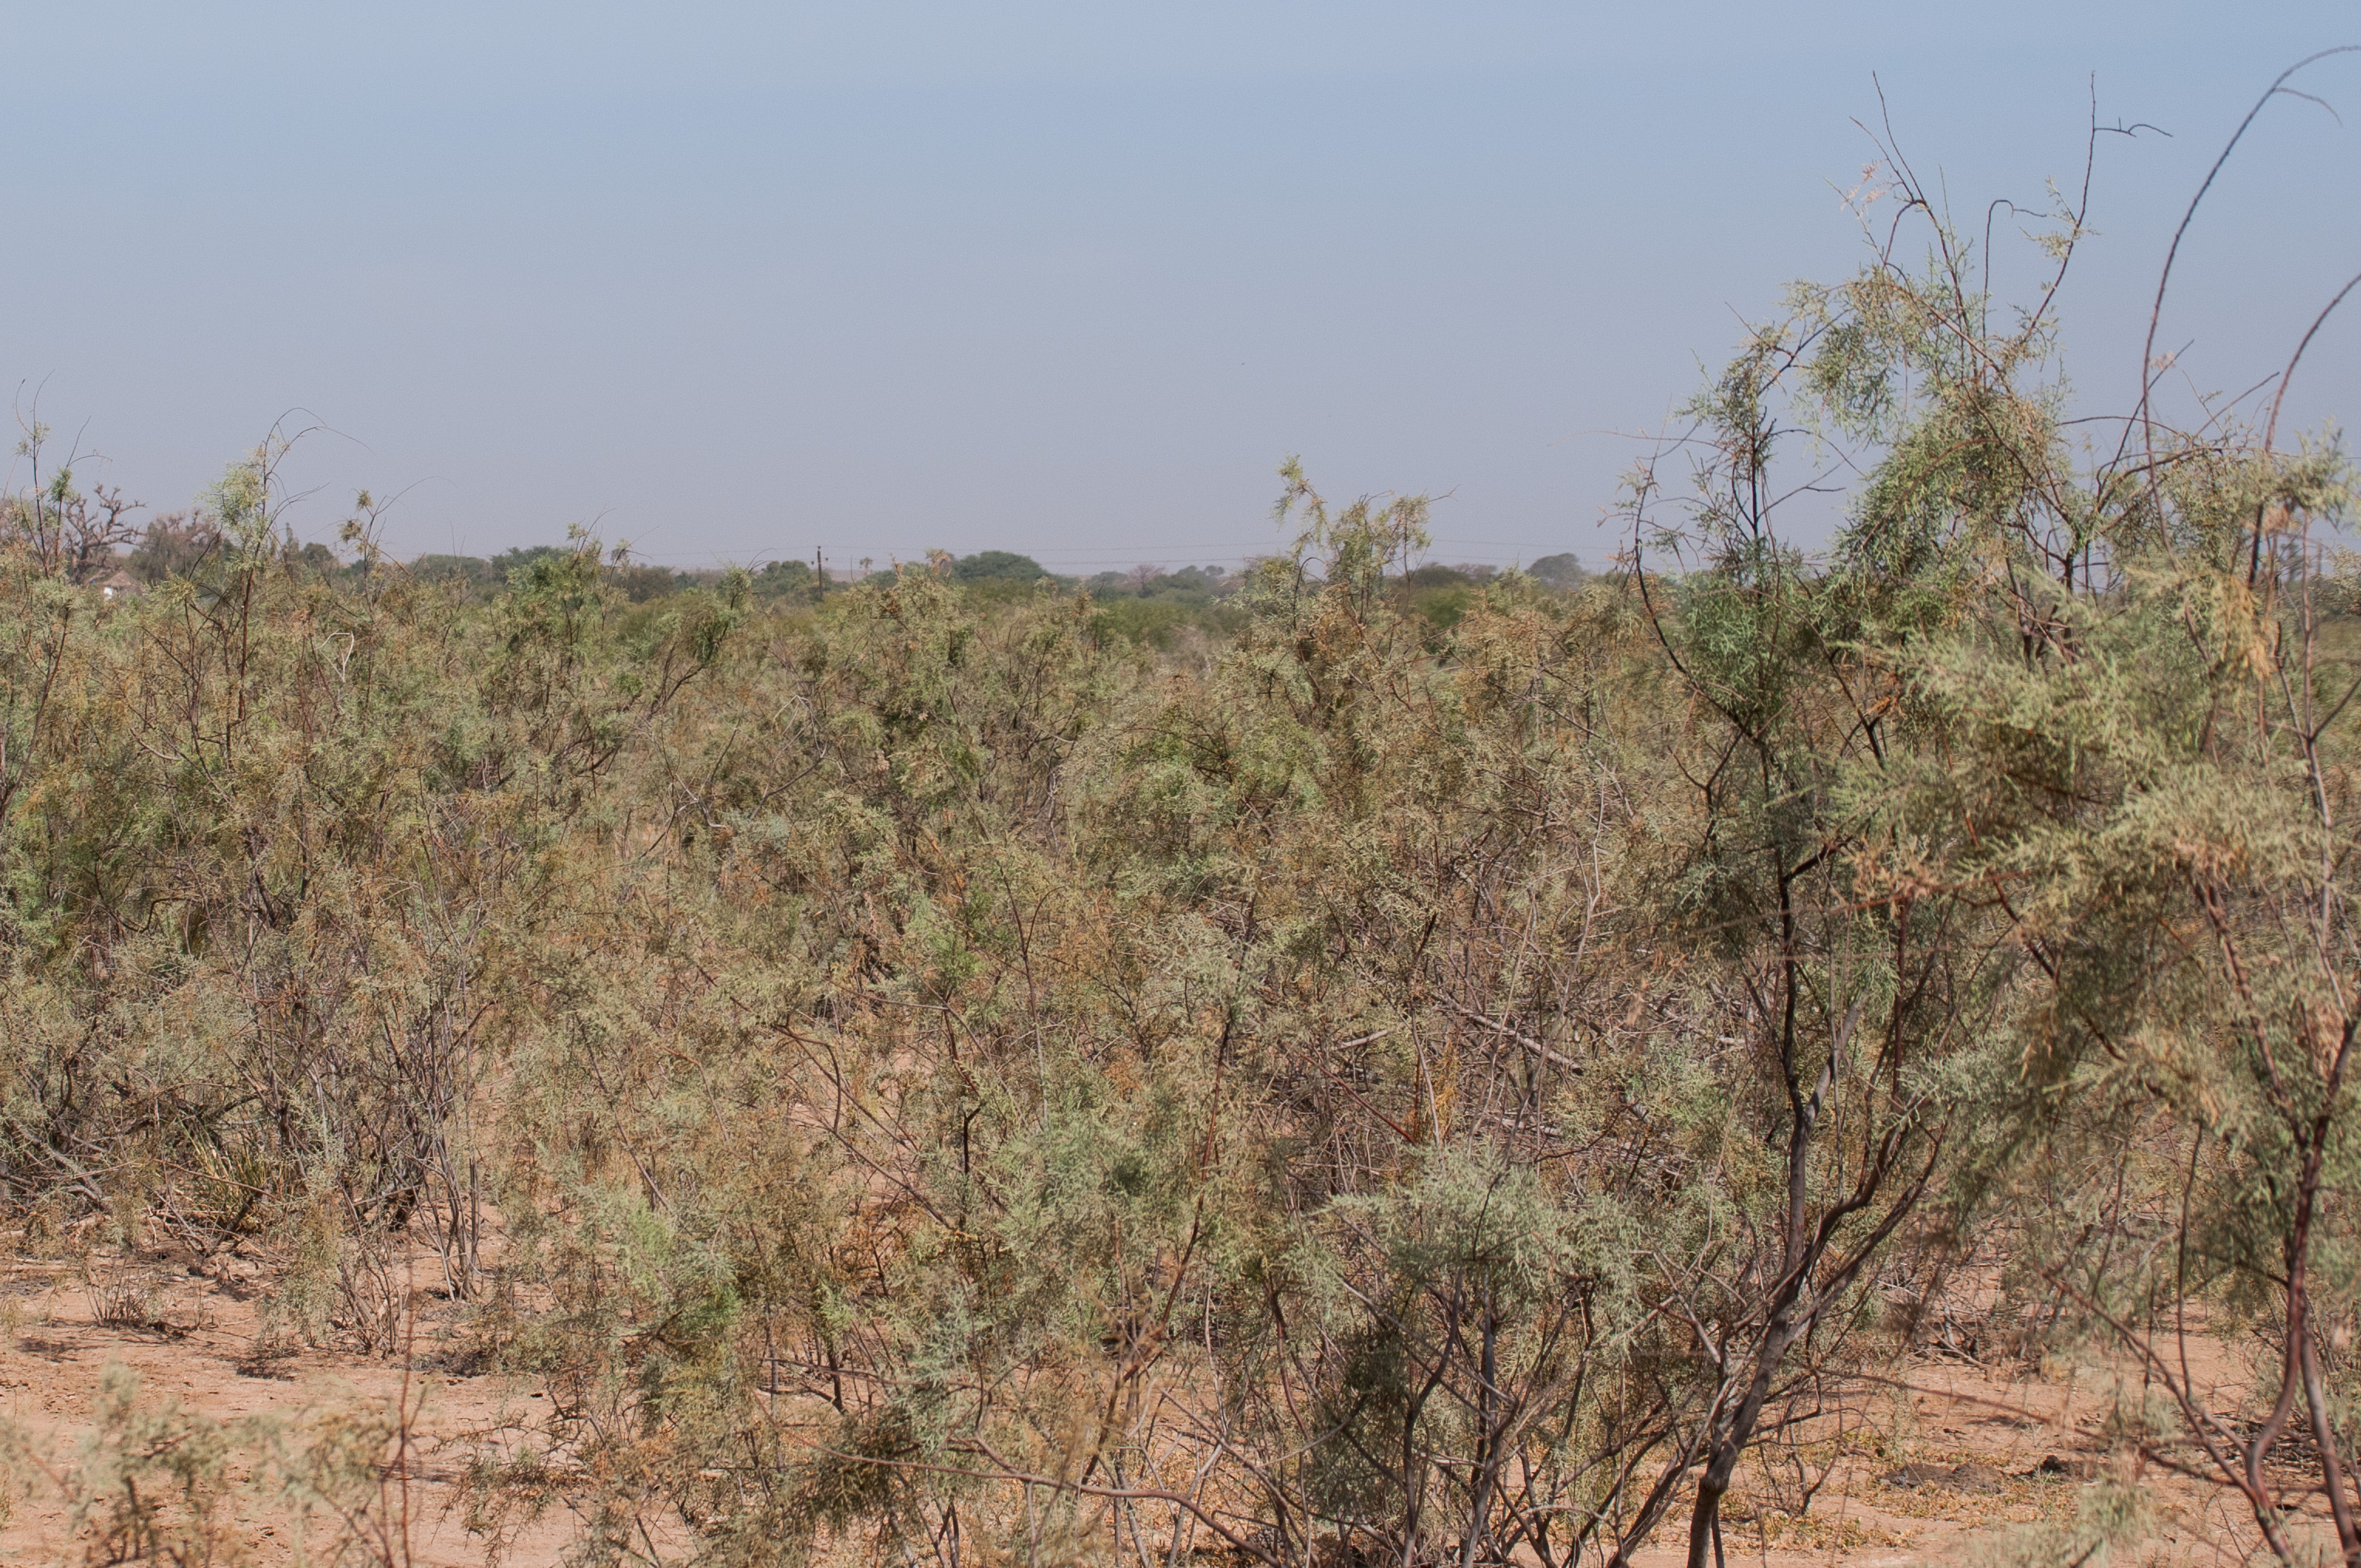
point(1394, 1065)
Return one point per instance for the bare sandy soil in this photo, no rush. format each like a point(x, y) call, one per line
point(1946, 1466)
point(195, 1341)
point(1957, 1462)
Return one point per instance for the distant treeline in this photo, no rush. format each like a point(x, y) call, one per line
point(176, 543)
point(1148, 603)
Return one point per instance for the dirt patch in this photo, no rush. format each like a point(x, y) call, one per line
point(1946, 1464)
point(197, 1342)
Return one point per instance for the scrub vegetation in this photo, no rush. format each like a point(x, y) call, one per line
point(1355, 1062)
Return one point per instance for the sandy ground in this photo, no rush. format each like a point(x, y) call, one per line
point(197, 1347)
point(1960, 1462)
point(1948, 1466)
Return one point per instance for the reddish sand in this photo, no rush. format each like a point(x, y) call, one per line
point(198, 1346)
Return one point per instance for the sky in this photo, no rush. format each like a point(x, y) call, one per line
point(736, 281)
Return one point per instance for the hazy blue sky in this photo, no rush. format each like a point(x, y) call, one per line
point(741, 279)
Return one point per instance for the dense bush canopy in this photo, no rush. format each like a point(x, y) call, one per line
point(939, 1067)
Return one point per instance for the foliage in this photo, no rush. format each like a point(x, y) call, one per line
point(1364, 1061)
